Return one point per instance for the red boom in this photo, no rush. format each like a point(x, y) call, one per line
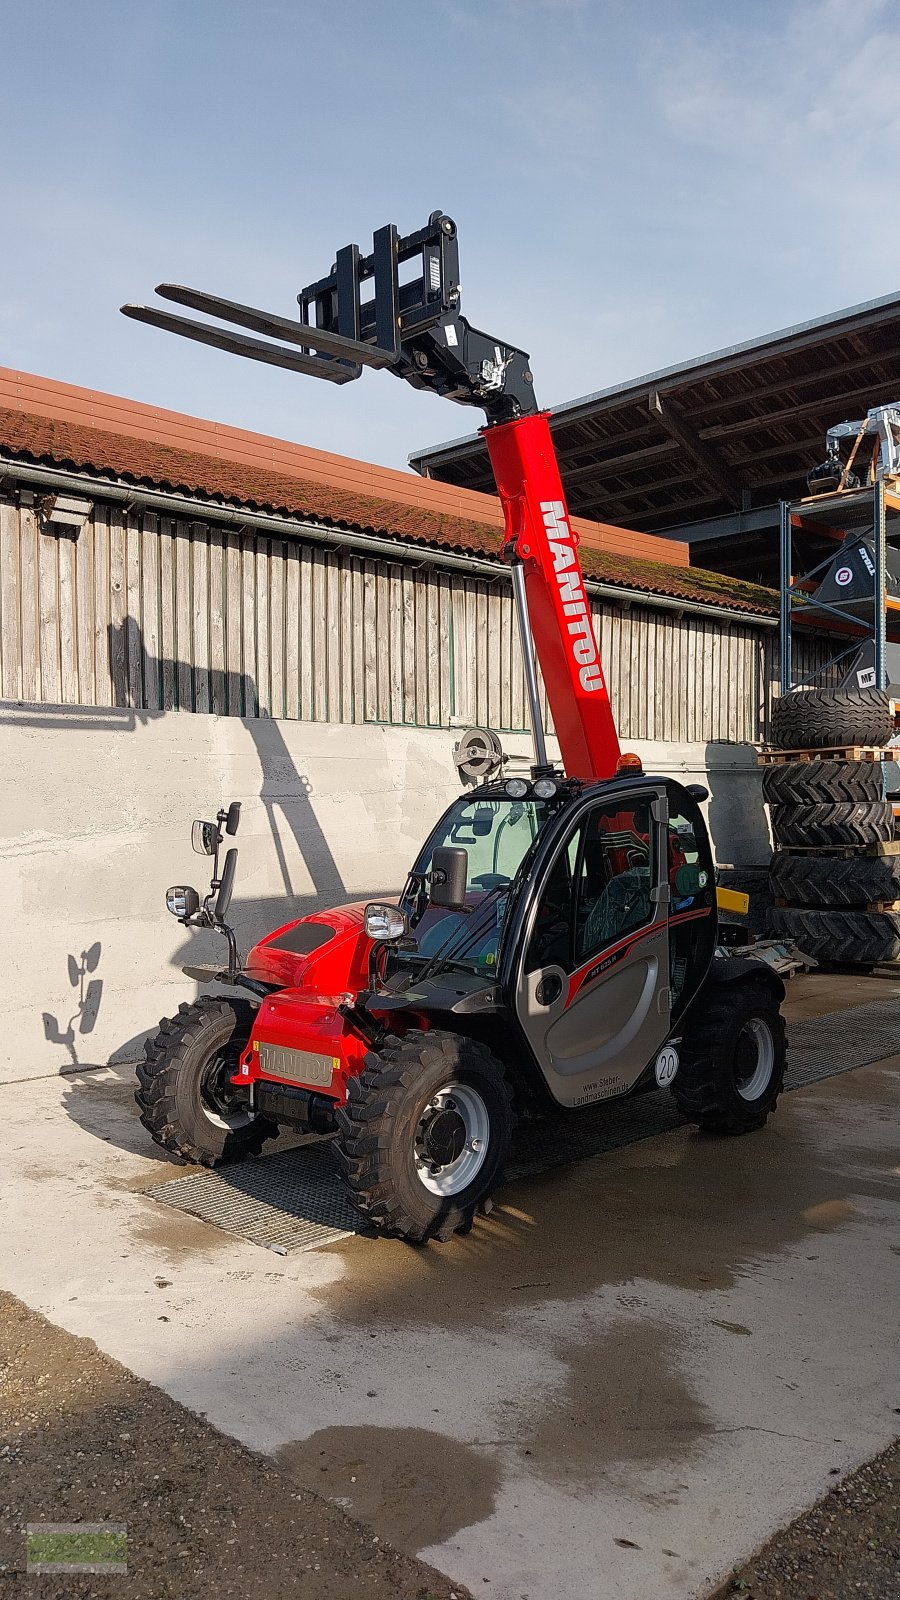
point(537, 525)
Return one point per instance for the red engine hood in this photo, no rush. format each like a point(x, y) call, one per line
point(326, 952)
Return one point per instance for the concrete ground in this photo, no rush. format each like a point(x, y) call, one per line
point(621, 1383)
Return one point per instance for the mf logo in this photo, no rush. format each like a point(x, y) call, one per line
point(571, 593)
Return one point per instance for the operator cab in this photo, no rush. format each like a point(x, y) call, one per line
point(590, 915)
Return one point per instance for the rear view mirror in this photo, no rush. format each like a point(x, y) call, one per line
point(449, 876)
point(233, 817)
point(204, 838)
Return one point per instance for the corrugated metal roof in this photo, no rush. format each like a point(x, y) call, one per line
point(740, 427)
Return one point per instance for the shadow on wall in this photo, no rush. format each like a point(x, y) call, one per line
point(280, 780)
point(285, 795)
point(87, 1003)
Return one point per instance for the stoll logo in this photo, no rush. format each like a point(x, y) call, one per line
point(572, 595)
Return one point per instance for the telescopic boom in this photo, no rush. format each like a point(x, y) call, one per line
point(361, 315)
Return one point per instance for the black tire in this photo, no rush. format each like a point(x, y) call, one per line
point(733, 1030)
point(384, 1133)
point(860, 822)
point(801, 783)
point(863, 938)
point(829, 881)
point(182, 1087)
point(813, 719)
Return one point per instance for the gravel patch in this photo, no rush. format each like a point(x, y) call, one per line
point(84, 1441)
point(846, 1547)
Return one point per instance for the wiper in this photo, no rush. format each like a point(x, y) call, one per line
point(471, 927)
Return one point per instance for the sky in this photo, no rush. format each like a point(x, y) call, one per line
point(635, 182)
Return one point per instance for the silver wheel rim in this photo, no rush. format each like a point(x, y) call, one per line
point(456, 1175)
point(754, 1085)
point(232, 1121)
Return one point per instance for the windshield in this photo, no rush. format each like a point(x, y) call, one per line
point(496, 835)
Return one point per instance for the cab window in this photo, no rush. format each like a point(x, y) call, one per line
point(599, 888)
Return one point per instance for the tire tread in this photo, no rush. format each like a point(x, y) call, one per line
point(811, 719)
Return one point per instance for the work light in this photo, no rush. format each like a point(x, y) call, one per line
point(182, 901)
point(385, 922)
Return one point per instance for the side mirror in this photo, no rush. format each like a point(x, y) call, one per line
point(233, 817)
point(226, 886)
point(449, 876)
point(205, 838)
point(690, 880)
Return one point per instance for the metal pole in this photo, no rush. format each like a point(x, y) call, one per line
point(880, 607)
point(784, 600)
point(528, 657)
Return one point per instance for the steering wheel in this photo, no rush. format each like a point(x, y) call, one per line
point(490, 880)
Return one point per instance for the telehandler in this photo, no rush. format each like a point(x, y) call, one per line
point(557, 940)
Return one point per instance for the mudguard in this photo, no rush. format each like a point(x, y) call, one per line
point(730, 969)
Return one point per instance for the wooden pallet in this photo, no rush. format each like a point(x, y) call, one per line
point(842, 752)
point(873, 905)
point(887, 847)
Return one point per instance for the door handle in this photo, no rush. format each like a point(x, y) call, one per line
point(548, 990)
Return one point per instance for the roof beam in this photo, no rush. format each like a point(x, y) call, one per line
point(789, 382)
point(708, 459)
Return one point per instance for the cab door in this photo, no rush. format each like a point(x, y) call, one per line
point(592, 990)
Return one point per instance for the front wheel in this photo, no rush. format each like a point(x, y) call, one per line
point(424, 1133)
point(733, 1058)
point(184, 1094)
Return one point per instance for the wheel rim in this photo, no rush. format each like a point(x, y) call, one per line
point(452, 1139)
point(214, 1097)
point(754, 1059)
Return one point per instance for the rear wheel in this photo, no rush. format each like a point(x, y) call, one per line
point(184, 1094)
point(733, 1058)
point(424, 1133)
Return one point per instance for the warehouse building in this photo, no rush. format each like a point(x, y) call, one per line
point(702, 453)
point(191, 614)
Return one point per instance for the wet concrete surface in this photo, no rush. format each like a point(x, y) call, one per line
point(415, 1484)
point(639, 1366)
point(817, 994)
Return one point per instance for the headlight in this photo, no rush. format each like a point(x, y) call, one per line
point(516, 788)
point(182, 901)
point(385, 922)
point(546, 788)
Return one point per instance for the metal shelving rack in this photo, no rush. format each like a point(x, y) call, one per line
point(873, 509)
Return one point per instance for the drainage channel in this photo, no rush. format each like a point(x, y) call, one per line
point(294, 1200)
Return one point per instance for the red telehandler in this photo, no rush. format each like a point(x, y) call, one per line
point(556, 943)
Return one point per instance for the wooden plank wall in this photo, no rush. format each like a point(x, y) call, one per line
point(148, 612)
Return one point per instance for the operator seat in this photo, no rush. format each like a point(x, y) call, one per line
point(624, 904)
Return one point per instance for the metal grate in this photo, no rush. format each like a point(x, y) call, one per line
point(295, 1200)
point(819, 1049)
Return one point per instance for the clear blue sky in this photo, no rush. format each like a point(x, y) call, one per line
point(635, 181)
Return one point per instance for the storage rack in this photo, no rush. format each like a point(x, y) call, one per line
point(831, 517)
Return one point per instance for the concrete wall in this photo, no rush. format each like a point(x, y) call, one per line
point(95, 816)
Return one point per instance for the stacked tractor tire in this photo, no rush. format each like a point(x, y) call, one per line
point(835, 871)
